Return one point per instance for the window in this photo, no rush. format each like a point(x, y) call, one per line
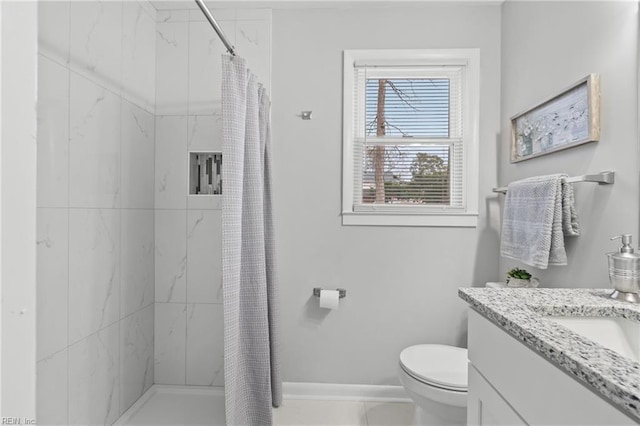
point(410, 137)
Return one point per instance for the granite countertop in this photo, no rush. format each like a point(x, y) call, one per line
point(521, 311)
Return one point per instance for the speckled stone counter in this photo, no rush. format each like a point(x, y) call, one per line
point(521, 312)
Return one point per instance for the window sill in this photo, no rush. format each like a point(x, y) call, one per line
point(465, 220)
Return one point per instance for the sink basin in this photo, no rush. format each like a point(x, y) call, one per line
point(618, 334)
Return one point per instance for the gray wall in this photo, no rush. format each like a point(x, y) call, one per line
point(401, 282)
point(547, 46)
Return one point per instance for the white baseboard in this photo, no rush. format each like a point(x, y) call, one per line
point(341, 392)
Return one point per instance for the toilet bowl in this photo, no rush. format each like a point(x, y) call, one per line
point(435, 377)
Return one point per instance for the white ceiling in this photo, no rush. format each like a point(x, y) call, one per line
point(293, 4)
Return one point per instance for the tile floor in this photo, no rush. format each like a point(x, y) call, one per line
point(176, 406)
point(297, 412)
point(192, 406)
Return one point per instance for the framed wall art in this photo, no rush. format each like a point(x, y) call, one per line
point(563, 121)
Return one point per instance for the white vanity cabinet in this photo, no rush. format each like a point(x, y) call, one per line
point(486, 406)
point(510, 384)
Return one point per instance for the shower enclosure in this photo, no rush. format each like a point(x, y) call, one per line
point(128, 261)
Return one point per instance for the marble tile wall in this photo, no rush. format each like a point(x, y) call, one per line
point(188, 265)
point(125, 92)
point(95, 224)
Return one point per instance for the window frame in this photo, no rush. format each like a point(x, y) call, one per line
point(432, 216)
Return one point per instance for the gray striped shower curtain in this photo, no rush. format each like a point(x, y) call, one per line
point(251, 372)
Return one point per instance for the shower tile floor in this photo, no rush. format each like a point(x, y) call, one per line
point(176, 406)
point(192, 406)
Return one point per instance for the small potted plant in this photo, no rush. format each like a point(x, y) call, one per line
point(521, 278)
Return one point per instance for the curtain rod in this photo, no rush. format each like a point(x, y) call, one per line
point(603, 178)
point(205, 10)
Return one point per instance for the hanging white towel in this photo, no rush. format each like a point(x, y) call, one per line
point(538, 213)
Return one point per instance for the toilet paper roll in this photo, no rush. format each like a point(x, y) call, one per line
point(329, 299)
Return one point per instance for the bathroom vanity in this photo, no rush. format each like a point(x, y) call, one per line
point(552, 357)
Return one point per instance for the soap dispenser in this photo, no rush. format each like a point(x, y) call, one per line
point(624, 271)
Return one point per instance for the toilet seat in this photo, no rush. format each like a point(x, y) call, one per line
point(440, 366)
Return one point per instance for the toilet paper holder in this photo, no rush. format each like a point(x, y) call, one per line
point(342, 292)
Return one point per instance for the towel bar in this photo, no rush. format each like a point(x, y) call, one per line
point(602, 178)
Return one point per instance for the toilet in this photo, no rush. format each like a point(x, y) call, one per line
point(435, 377)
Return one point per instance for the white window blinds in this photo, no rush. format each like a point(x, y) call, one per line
point(408, 142)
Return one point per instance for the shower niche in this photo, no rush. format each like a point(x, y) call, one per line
point(205, 173)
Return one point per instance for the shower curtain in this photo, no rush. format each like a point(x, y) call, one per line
point(251, 371)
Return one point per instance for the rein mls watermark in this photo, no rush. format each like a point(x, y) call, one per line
point(17, 421)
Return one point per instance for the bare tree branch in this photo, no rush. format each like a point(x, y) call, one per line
point(403, 97)
point(404, 135)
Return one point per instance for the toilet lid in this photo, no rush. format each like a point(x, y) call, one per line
point(440, 365)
